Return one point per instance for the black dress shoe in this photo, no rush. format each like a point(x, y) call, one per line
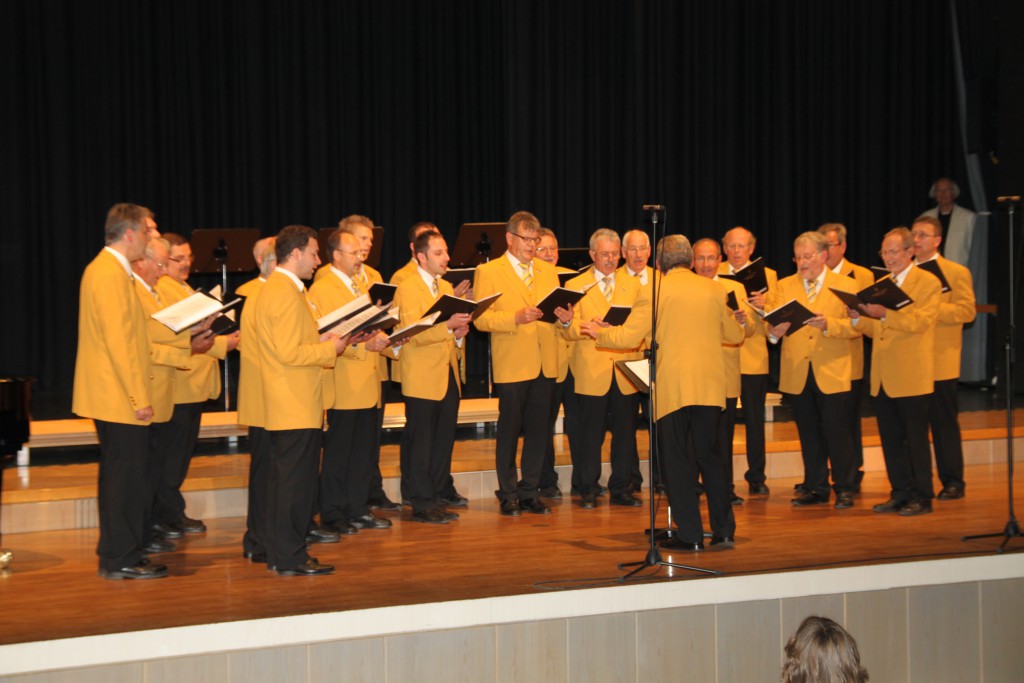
point(660, 489)
point(342, 528)
point(383, 503)
point(450, 516)
point(722, 541)
point(255, 556)
point(156, 546)
point(588, 501)
point(535, 506)
point(322, 535)
point(191, 526)
point(915, 508)
point(735, 500)
point(308, 568)
point(625, 499)
point(552, 492)
point(142, 570)
point(799, 488)
point(638, 486)
point(891, 505)
point(675, 543)
point(456, 500)
point(844, 500)
point(951, 493)
point(430, 516)
point(758, 489)
point(810, 498)
point(368, 521)
point(167, 530)
point(510, 508)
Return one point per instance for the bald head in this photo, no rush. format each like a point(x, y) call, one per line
point(738, 245)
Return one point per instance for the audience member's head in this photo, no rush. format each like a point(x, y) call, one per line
point(821, 651)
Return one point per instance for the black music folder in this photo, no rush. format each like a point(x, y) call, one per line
point(752, 276)
point(884, 292)
point(617, 315)
point(449, 305)
point(792, 312)
point(559, 297)
point(936, 270)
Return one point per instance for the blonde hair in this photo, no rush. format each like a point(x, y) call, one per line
point(821, 651)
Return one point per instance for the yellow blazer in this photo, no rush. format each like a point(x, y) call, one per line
point(956, 308)
point(830, 355)
point(564, 346)
point(518, 352)
point(356, 373)
point(201, 381)
point(250, 386)
point(593, 366)
point(372, 276)
point(427, 357)
point(733, 384)
point(168, 351)
point(404, 272)
point(862, 277)
point(249, 288)
point(693, 323)
point(113, 370)
point(754, 352)
point(903, 354)
point(295, 366)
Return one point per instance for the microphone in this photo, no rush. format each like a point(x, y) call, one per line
point(654, 207)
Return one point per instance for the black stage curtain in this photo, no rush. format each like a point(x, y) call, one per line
point(774, 115)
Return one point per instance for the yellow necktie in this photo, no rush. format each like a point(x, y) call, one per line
point(355, 287)
point(812, 290)
point(527, 278)
point(606, 288)
point(434, 289)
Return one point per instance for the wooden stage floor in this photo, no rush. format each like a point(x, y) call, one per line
point(52, 590)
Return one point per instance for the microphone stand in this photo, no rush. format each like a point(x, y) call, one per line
point(653, 558)
point(220, 254)
point(1012, 528)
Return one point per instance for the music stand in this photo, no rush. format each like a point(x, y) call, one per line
point(478, 243)
point(223, 250)
point(574, 257)
point(323, 235)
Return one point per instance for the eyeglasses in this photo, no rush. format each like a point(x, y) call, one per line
point(350, 253)
point(637, 250)
point(918, 234)
point(736, 247)
point(832, 245)
point(607, 254)
point(892, 252)
point(545, 250)
point(528, 240)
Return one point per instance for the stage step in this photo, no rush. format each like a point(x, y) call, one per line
point(55, 497)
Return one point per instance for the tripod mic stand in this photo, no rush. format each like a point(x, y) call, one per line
point(1012, 528)
point(653, 557)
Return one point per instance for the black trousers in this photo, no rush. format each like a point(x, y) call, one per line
point(903, 428)
point(376, 491)
point(347, 464)
point(944, 418)
point(123, 493)
point(686, 439)
point(823, 423)
point(181, 434)
point(618, 411)
point(259, 470)
point(723, 444)
point(565, 396)
point(856, 396)
point(291, 486)
point(753, 392)
point(159, 438)
point(523, 408)
point(431, 426)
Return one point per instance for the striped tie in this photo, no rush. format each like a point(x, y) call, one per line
point(527, 278)
point(434, 289)
point(363, 282)
point(606, 288)
point(812, 290)
point(355, 287)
